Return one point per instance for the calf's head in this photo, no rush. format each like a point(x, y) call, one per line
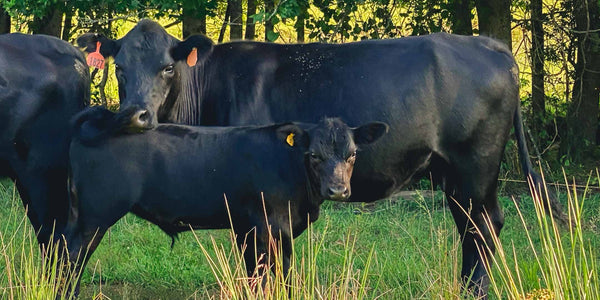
point(148, 76)
point(331, 149)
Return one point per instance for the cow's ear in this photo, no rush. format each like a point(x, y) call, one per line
point(108, 47)
point(292, 135)
point(369, 133)
point(194, 49)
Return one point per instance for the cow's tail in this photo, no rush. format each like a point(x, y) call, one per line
point(536, 182)
point(96, 123)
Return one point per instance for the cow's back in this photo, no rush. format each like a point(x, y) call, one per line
point(434, 91)
point(176, 173)
point(258, 83)
point(44, 81)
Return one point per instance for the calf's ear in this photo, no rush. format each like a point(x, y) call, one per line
point(292, 135)
point(194, 49)
point(369, 133)
point(108, 47)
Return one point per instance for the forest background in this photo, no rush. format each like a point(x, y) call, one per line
point(556, 44)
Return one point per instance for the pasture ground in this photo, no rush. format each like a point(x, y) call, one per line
point(414, 245)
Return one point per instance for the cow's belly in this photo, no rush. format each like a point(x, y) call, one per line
point(181, 215)
point(382, 174)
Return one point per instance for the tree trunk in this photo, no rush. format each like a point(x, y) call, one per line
point(68, 25)
point(301, 20)
point(461, 17)
point(269, 28)
point(194, 19)
point(4, 21)
point(225, 21)
point(105, 71)
point(582, 115)
point(50, 24)
point(538, 101)
point(235, 20)
point(494, 19)
point(250, 27)
point(102, 86)
point(299, 28)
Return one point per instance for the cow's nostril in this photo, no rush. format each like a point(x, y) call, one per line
point(141, 119)
point(144, 116)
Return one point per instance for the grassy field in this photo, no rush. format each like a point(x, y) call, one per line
point(393, 249)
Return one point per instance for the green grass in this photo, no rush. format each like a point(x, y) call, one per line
point(394, 249)
point(565, 258)
point(25, 275)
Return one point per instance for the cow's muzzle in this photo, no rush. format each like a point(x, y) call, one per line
point(338, 193)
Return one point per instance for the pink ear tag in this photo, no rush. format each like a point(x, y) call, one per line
point(95, 59)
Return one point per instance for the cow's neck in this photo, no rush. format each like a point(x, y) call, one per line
point(185, 107)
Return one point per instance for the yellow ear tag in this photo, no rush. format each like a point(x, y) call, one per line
point(290, 139)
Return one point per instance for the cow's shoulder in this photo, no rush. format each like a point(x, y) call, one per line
point(44, 68)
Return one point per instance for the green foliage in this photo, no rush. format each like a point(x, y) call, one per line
point(36, 8)
point(427, 17)
point(352, 20)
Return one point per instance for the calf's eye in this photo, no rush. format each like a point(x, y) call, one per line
point(352, 156)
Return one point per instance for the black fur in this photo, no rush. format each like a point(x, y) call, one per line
point(96, 123)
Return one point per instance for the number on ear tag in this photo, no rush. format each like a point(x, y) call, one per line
point(95, 59)
point(290, 139)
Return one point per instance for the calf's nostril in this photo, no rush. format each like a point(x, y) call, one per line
point(337, 191)
point(141, 119)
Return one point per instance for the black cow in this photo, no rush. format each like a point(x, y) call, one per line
point(176, 176)
point(450, 101)
point(44, 82)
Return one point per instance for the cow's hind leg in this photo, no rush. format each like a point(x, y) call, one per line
point(36, 191)
point(473, 201)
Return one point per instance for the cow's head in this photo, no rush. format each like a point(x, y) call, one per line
point(331, 148)
point(147, 74)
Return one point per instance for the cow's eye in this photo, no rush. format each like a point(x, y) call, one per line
point(168, 69)
point(315, 156)
point(117, 68)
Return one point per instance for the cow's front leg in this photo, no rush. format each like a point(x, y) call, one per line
point(254, 247)
point(286, 253)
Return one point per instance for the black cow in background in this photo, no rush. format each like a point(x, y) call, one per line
point(450, 102)
point(44, 82)
point(176, 176)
